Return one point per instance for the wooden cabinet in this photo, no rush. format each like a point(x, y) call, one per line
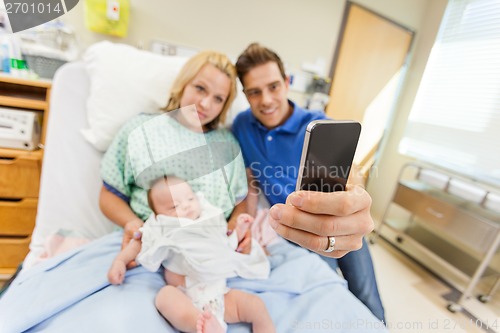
point(449, 224)
point(20, 172)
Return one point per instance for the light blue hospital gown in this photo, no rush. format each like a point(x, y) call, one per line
point(153, 145)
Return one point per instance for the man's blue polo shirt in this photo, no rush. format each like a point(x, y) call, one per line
point(274, 155)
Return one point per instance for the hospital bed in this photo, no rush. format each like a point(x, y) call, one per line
point(69, 292)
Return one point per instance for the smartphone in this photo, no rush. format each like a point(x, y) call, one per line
point(327, 155)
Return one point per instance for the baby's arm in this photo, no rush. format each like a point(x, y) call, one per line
point(243, 224)
point(116, 273)
point(241, 230)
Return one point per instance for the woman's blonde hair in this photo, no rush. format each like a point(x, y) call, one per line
point(191, 69)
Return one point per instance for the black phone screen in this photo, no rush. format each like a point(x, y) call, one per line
point(327, 155)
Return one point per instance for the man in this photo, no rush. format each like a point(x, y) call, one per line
point(271, 135)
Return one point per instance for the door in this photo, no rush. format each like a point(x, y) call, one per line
point(366, 74)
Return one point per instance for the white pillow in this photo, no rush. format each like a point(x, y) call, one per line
point(240, 103)
point(124, 81)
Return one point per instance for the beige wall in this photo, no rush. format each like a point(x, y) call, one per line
point(299, 30)
point(406, 12)
point(390, 161)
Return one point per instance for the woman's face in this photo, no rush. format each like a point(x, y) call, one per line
point(208, 91)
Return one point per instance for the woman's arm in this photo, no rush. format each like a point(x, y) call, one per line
point(239, 209)
point(245, 245)
point(115, 209)
point(252, 198)
point(116, 273)
point(249, 206)
point(120, 213)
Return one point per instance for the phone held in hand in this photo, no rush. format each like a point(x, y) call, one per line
point(327, 155)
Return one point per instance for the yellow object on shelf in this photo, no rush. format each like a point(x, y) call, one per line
point(107, 16)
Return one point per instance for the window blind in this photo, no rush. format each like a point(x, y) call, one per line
point(455, 119)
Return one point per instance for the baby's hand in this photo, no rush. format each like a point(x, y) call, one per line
point(243, 224)
point(244, 218)
point(131, 232)
point(117, 271)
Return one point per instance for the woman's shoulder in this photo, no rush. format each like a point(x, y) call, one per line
point(224, 134)
point(139, 119)
point(134, 122)
point(121, 136)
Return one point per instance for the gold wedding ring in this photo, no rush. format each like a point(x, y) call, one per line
point(331, 244)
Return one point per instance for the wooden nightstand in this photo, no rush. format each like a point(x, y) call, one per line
point(20, 173)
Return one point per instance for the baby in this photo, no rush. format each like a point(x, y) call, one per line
point(188, 236)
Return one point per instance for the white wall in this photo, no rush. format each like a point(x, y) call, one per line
point(299, 30)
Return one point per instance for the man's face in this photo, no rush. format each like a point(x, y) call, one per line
point(266, 91)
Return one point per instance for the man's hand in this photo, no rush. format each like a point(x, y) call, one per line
point(309, 218)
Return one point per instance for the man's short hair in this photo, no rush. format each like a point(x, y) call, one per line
point(256, 55)
point(150, 198)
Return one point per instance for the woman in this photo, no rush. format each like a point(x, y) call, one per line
point(208, 81)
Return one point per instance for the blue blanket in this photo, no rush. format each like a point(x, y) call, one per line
point(71, 293)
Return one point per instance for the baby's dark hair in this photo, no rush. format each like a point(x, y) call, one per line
point(172, 179)
point(150, 199)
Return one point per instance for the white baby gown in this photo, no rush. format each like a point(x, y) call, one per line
point(201, 250)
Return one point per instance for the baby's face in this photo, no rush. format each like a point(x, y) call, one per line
point(177, 200)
